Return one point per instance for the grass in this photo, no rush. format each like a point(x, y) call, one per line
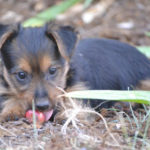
point(34, 122)
point(87, 3)
point(111, 95)
point(49, 14)
point(77, 110)
point(147, 34)
point(129, 96)
point(146, 130)
point(145, 50)
point(106, 133)
point(136, 124)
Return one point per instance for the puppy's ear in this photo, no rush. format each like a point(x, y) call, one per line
point(65, 38)
point(3, 29)
point(7, 32)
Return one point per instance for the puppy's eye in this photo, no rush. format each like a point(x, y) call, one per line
point(52, 70)
point(21, 75)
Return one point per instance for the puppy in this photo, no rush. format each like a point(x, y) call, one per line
point(37, 62)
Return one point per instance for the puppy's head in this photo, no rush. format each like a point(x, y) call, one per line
point(36, 62)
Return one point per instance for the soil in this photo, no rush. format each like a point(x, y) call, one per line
point(127, 21)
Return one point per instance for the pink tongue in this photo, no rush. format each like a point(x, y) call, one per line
point(48, 114)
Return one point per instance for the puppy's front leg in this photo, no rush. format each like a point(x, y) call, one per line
point(13, 110)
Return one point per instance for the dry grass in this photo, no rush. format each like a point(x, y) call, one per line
point(84, 129)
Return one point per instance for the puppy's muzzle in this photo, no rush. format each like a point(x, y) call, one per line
point(42, 101)
point(42, 104)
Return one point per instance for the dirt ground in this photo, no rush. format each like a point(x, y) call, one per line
point(123, 20)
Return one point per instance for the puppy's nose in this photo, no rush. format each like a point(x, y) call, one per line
point(42, 104)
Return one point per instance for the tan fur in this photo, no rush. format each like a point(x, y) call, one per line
point(13, 108)
point(61, 46)
point(45, 62)
point(16, 105)
point(77, 87)
point(54, 32)
point(144, 85)
point(5, 37)
point(24, 65)
point(6, 76)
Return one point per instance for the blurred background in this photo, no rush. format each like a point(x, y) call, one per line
point(125, 20)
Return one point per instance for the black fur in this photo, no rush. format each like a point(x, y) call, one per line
point(3, 29)
point(109, 65)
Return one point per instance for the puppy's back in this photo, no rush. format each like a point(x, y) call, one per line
point(110, 64)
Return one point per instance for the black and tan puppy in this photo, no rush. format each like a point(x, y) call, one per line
point(36, 61)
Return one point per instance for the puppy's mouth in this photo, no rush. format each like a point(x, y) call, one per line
point(48, 114)
point(41, 117)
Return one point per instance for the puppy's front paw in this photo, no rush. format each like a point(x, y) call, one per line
point(11, 113)
point(9, 117)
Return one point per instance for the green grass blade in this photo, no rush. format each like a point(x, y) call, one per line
point(147, 34)
point(87, 3)
point(145, 50)
point(128, 96)
point(49, 14)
